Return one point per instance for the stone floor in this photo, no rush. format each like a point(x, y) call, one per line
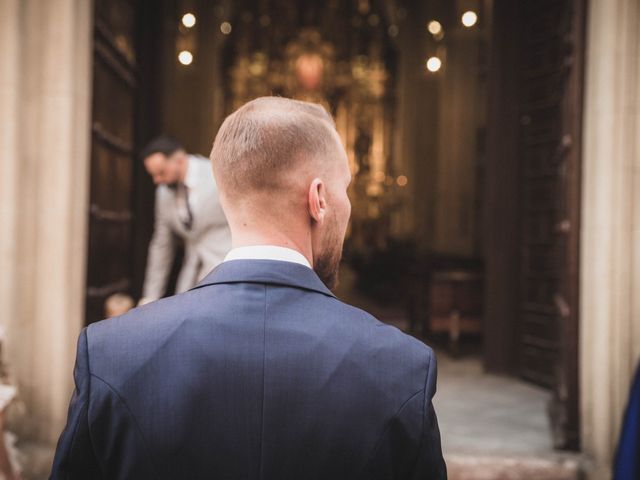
point(505, 414)
point(495, 427)
point(37, 460)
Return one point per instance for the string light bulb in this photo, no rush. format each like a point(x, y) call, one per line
point(188, 20)
point(469, 18)
point(434, 64)
point(185, 57)
point(434, 27)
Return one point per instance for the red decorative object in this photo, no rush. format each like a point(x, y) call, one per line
point(309, 71)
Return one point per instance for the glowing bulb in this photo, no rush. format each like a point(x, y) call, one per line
point(434, 27)
point(188, 20)
point(402, 181)
point(434, 64)
point(469, 18)
point(225, 27)
point(185, 57)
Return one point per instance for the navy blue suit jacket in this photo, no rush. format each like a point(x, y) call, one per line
point(259, 372)
point(627, 462)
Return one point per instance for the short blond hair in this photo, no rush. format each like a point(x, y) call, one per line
point(262, 141)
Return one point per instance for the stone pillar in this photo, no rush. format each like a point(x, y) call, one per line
point(45, 81)
point(610, 263)
point(9, 114)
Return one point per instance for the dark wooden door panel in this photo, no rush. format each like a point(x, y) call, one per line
point(551, 69)
point(111, 194)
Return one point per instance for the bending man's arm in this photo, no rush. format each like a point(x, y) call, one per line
point(161, 252)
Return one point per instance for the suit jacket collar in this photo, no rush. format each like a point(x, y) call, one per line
point(272, 272)
point(194, 170)
point(191, 176)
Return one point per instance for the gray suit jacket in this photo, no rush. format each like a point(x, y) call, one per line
point(206, 243)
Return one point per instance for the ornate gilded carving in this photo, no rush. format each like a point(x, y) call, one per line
point(349, 70)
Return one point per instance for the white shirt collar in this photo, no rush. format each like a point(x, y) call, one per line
point(267, 252)
point(191, 177)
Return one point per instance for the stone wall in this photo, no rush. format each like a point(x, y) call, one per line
point(45, 80)
point(610, 262)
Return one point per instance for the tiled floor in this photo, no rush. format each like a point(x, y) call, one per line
point(479, 412)
point(495, 427)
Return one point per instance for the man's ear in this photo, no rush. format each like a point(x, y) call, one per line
point(317, 200)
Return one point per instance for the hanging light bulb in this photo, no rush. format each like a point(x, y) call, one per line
point(225, 27)
point(434, 64)
point(469, 18)
point(434, 27)
point(188, 20)
point(185, 57)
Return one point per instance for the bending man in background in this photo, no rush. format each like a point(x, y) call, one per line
point(187, 208)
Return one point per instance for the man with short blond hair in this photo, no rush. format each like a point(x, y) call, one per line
point(259, 372)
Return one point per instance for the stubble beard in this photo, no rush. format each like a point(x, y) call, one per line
point(327, 264)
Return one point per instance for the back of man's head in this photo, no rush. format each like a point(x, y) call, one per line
point(283, 176)
point(264, 143)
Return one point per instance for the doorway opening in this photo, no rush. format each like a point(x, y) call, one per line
point(462, 125)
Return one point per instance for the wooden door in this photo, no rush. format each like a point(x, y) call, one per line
point(551, 57)
point(110, 262)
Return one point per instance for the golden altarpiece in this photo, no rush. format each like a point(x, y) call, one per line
point(340, 55)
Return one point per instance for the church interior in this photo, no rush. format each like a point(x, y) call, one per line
point(451, 236)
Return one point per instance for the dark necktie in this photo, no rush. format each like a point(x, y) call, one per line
point(184, 209)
